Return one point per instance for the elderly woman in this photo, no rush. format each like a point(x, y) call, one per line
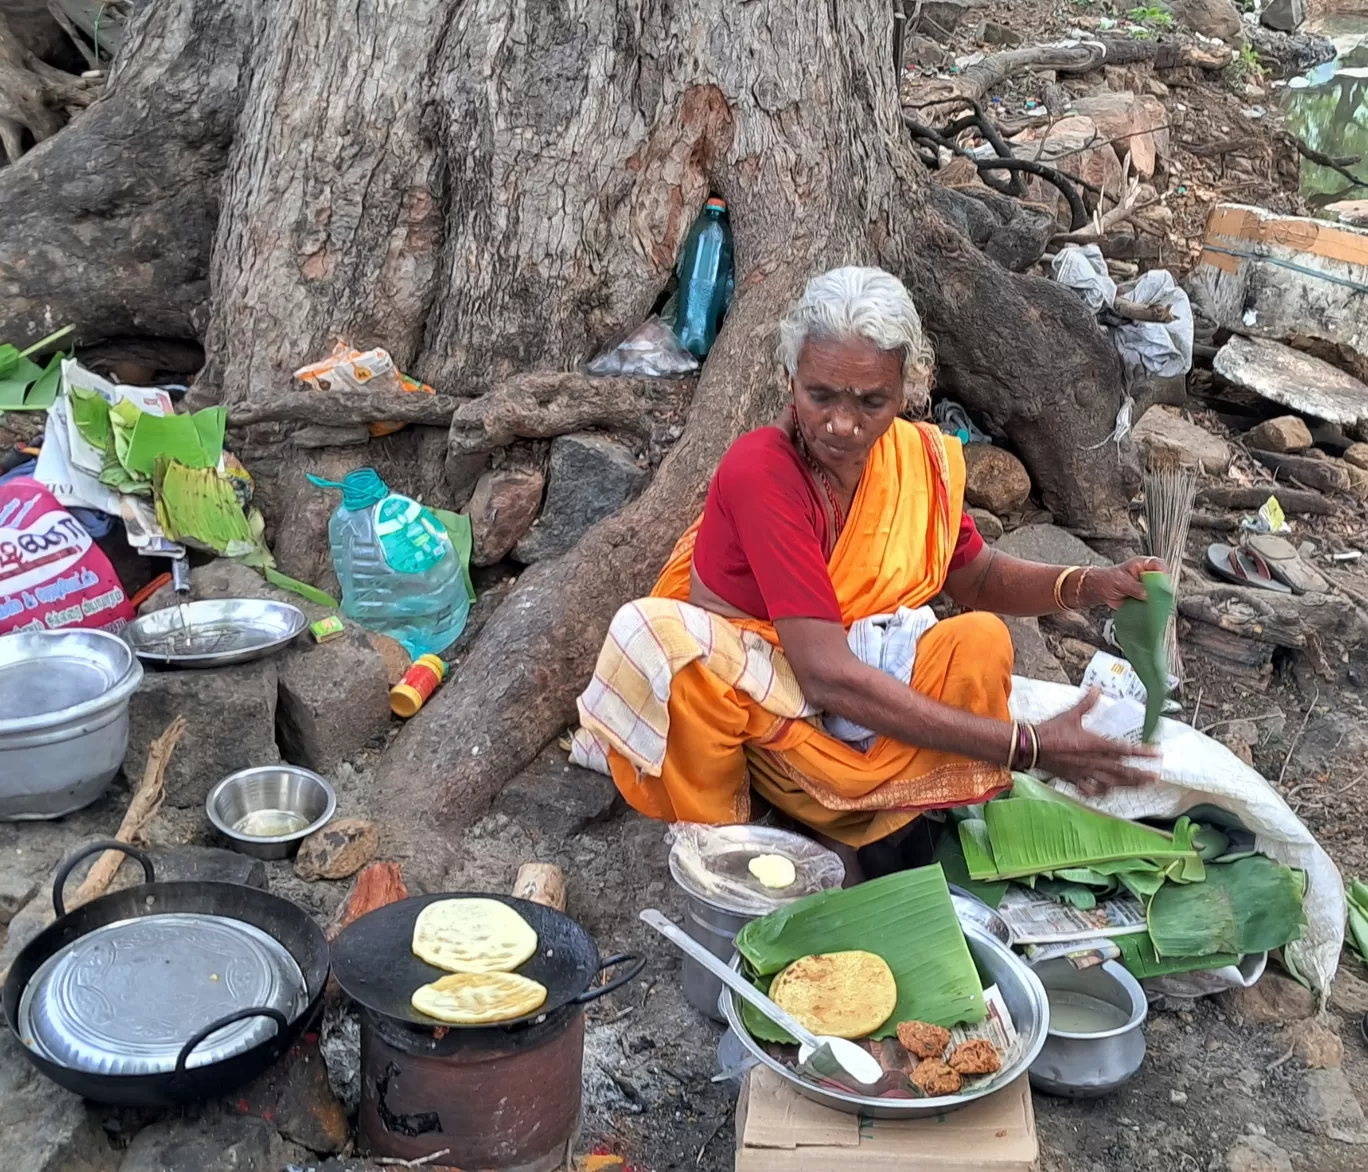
point(837, 512)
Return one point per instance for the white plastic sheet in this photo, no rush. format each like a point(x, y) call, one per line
point(1195, 771)
point(1083, 269)
point(1164, 349)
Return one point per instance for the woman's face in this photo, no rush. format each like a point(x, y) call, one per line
point(847, 394)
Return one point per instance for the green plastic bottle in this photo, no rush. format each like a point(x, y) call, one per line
point(705, 277)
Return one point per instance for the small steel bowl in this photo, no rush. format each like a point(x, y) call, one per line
point(1089, 1065)
point(270, 787)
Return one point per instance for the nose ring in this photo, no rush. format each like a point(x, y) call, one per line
point(858, 429)
point(830, 430)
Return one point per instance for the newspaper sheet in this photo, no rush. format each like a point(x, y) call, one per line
point(1037, 919)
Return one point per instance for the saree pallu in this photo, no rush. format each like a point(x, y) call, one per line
point(687, 710)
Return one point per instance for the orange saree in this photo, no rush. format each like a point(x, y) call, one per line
point(691, 710)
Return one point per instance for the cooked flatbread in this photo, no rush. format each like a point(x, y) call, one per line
point(473, 936)
point(479, 998)
point(840, 994)
point(773, 871)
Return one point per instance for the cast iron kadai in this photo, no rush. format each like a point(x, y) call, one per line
point(83, 1015)
point(374, 963)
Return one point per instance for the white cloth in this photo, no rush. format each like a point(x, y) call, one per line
point(888, 642)
point(1194, 771)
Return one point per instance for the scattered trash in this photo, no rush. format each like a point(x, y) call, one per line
point(652, 349)
point(326, 628)
point(1083, 269)
point(1269, 519)
point(349, 369)
point(1162, 348)
point(705, 269)
point(953, 419)
point(399, 570)
point(419, 682)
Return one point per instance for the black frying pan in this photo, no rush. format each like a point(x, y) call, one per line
point(277, 917)
point(374, 963)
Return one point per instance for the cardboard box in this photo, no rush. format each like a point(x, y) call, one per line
point(777, 1130)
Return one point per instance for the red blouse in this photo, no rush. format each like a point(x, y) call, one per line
point(760, 547)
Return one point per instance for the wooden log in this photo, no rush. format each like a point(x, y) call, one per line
point(339, 409)
point(1323, 475)
point(542, 883)
point(1293, 500)
point(377, 885)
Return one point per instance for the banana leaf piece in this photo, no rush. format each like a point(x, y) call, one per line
point(1211, 842)
point(950, 855)
point(303, 589)
point(90, 414)
point(1140, 959)
point(1140, 629)
point(1029, 836)
point(1357, 936)
point(906, 918)
point(1074, 894)
point(1253, 905)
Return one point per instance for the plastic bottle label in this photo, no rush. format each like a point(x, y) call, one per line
point(412, 540)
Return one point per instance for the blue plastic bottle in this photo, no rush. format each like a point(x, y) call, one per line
point(399, 572)
point(705, 277)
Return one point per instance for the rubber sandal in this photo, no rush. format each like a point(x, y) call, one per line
point(1244, 567)
point(1285, 564)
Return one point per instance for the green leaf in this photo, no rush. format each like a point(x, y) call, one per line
point(303, 589)
point(43, 393)
point(906, 918)
point(1211, 842)
point(1074, 894)
point(1254, 905)
point(458, 529)
point(1139, 957)
point(950, 855)
point(90, 414)
point(195, 441)
point(9, 359)
point(1140, 628)
point(977, 850)
point(16, 382)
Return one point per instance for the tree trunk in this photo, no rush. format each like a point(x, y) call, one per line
point(487, 190)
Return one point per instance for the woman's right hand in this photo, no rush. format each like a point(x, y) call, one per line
point(1091, 762)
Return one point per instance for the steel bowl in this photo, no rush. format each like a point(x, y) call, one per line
point(1089, 1065)
point(63, 719)
point(220, 631)
point(972, 910)
point(270, 787)
point(997, 965)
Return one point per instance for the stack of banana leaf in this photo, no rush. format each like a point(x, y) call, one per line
point(1208, 900)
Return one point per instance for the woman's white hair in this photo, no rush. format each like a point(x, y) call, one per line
point(865, 303)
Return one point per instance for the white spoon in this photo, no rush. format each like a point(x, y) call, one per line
point(855, 1060)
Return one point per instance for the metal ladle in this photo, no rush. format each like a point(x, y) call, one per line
point(855, 1060)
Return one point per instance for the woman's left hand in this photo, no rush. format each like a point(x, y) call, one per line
point(1113, 585)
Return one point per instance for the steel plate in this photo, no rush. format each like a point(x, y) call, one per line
point(221, 631)
point(126, 997)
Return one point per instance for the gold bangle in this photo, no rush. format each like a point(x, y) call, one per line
point(1059, 585)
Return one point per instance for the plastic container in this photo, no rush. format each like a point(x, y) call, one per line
point(419, 682)
point(705, 279)
point(399, 572)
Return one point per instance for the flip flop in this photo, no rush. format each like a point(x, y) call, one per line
point(1242, 566)
point(1285, 564)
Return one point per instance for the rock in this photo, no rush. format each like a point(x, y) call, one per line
point(1316, 1044)
point(1255, 1153)
point(213, 1144)
point(554, 798)
point(334, 698)
point(42, 1127)
point(28, 921)
point(208, 864)
point(1211, 18)
point(1032, 658)
point(1049, 544)
point(940, 18)
point(1284, 16)
point(1286, 433)
point(1349, 993)
point(1358, 480)
point(993, 33)
point(1351, 211)
point(1074, 655)
point(1276, 998)
point(923, 51)
point(988, 525)
point(230, 725)
point(1357, 455)
point(225, 578)
point(994, 479)
point(396, 657)
point(502, 508)
point(295, 1097)
point(337, 851)
point(1331, 1109)
point(15, 891)
point(591, 477)
point(1130, 125)
point(1163, 429)
point(1080, 147)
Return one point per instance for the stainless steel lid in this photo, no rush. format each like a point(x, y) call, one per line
point(126, 997)
point(712, 863)
point(49, 677)
point(214, 632)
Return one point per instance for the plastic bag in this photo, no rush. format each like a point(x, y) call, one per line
point(713, 862)
point(652, 349)
point(953, 419)
point(52, 574)
point(1083, 269)
point(1183, 987)
point(1163, 349)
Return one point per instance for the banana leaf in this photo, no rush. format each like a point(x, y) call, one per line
point(1027, 836)
point(1211, 842)
point(950, 855)
point(906, 918)
point(1253, 905)
point(1140, 959)
point(1061, 891)
point(1357, 935)
point(1140, 629)
point(303, 589)
point(90, 414)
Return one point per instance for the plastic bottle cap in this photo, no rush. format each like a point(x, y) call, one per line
point(404, 700)
point(715, 202)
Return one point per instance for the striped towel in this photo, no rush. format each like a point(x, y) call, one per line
point(626, 706)
point(888, 642)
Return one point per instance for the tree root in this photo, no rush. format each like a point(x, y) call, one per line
point(34, 96)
